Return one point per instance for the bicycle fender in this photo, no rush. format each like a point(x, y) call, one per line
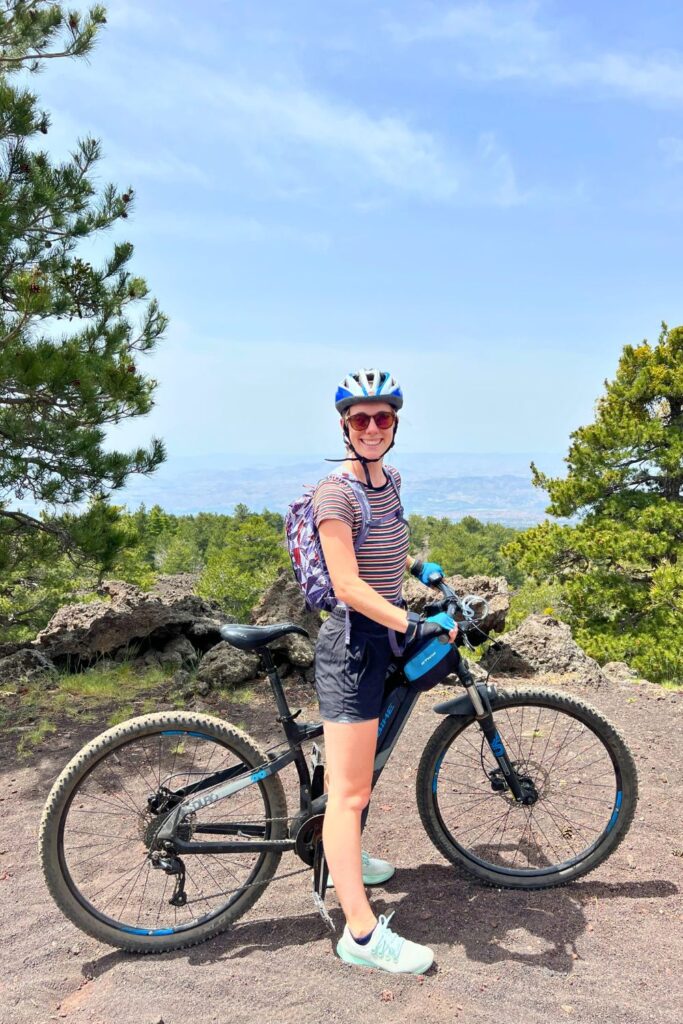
point(462, 706)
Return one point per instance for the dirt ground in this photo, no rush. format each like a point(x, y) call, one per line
point(607, 948)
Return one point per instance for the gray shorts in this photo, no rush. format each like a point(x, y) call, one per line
point(350, 680)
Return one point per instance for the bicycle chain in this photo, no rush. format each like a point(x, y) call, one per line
point(251, 885)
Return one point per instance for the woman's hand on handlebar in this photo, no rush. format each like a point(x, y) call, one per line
point(421, 628)
point(429, 573)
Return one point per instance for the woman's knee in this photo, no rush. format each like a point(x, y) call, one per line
point(349, 799)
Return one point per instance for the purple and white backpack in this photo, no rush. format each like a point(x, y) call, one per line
point(306, 551)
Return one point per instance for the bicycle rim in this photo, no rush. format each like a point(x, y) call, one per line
point(574, 770)
point(107, 827)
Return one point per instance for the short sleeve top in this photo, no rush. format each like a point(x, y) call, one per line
point(382, 555)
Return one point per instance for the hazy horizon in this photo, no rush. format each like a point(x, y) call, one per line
point(490, 486)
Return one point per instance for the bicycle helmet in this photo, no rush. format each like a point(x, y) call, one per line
point(367, 386)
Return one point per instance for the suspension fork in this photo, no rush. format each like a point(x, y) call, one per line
point(484, 716)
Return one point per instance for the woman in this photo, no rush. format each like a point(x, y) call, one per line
point(350, 670)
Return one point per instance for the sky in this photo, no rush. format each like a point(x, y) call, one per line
point(484, 198)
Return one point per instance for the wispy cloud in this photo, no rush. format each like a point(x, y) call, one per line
point(123, 14)
point(384, 147)
point(124, 162)
point(157, 23)
point(270, 131)
point(511, 28)
point(295, 140)
point(495, 177)
point(649, 78)
point(510, 41)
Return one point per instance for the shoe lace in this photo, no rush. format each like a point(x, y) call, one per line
point(389, 944)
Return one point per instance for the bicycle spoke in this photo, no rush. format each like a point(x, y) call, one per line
point(567, 763)
point(113, 870)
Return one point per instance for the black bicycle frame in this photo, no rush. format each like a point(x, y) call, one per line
point(396, 710)
point(397, 707)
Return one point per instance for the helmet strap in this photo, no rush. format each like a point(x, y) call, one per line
point(357, 457)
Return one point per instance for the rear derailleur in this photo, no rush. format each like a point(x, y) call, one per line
point(172, 865)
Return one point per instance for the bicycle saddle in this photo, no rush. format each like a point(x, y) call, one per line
point(249, 637)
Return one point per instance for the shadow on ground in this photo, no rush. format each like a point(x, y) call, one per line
point(539, 929)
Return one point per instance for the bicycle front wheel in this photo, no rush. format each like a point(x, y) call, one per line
point(580, 768)
point(101, 817)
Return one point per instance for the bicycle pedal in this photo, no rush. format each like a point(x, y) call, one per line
point(323, 911)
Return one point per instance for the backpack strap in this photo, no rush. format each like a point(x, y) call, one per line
point(399, 511)
point(366, 514)
point(366, 522)
point(362, 498)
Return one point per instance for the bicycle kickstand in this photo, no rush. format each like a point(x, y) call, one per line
point(320, 876)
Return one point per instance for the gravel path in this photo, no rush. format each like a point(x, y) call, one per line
point(607, 948)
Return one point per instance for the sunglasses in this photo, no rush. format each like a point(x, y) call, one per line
point(361, 420)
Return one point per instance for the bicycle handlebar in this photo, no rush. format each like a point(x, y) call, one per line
point(463, 606)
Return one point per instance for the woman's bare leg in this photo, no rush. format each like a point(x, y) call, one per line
point(349, 757)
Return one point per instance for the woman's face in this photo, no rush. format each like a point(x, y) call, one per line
point(372, 441)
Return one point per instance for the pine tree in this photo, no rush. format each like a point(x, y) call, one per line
point(244, 565)
point(621, 563)
point(71, 331)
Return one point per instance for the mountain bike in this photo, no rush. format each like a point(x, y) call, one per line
point(164, 830)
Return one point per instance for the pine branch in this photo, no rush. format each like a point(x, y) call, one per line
point(18, 618)
point(37, 524)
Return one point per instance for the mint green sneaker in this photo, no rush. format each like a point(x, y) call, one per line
point(386, 951)
point(375, 870)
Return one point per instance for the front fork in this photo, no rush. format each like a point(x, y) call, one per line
point(522, 789)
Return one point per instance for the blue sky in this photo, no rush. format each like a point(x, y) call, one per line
point(484, 197)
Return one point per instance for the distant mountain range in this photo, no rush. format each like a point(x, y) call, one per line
point(492, 487)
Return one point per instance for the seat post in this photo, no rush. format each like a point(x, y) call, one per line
point(276, 684)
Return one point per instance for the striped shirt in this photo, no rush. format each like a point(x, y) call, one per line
point(382, 556)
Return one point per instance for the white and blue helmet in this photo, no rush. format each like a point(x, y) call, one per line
point(368, 386)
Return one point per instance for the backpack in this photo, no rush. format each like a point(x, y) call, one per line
point(304, 545)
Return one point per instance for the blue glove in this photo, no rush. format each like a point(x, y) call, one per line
point(425, 572)
point(421, 628)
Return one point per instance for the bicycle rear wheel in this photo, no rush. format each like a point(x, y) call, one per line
point(100, 819)
point(581, 769)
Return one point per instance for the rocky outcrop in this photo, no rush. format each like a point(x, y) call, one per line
point(27, 666)
point(171, 627)
point(541, 645)
point(125, 617)
point(619, 672)
point(178, 653)
point(284, 602)
point(226, 666)
point(177, 585)
point(13, 646)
